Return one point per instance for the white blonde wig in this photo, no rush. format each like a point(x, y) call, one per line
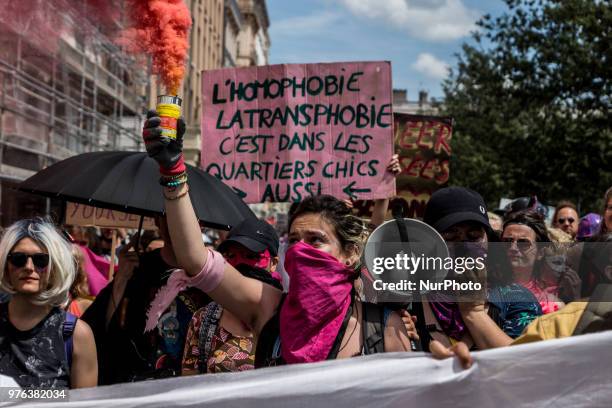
point(61, 271)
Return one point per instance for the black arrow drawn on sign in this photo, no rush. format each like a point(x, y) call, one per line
point(349, 190)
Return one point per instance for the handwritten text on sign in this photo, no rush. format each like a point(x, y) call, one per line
point(284, 132)
point(85, 215)
point(423, 144)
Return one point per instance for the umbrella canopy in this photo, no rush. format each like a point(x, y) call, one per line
point(129, 182)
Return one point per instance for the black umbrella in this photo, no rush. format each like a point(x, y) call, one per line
point(128, 181)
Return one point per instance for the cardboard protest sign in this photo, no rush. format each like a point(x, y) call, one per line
point(85, 215)
point(283, 132)
point(423, 145)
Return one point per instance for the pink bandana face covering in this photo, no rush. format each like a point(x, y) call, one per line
point(262, 261)
point(242, 256)
point(318, 299)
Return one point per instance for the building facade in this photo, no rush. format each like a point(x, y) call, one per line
point(233, 21)
point(70, 91)
point(62, 92)
point(423, 106)
point(253, 40)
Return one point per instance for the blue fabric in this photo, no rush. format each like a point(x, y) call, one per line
point(386, 313)
point(69, 325)
point(516, 308)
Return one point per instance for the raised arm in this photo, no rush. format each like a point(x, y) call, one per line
point(379, 211)
point(250, 300)
point(382, 204)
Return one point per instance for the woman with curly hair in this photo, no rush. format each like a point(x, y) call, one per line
point(321, 317)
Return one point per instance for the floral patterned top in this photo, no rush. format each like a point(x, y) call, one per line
point(513, 307)
point(228, 353)
point(546, 296)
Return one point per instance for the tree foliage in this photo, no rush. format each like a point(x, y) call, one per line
point(531, 99)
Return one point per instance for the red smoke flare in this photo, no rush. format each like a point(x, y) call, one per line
point(41, 23)
point(37, 21)
point(161, 29)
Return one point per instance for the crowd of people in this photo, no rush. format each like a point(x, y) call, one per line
point(181, 305)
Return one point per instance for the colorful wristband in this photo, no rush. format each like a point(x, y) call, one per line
point(173, 181)
point(178, 168)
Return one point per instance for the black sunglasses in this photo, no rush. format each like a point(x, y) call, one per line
point(19, 259)
point(562, 220)
point(522, 244)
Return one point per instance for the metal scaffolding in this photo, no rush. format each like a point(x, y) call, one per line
point(77, 94)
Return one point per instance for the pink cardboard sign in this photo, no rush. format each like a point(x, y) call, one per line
point(283, 132)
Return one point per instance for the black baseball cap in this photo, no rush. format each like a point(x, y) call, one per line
point(254, 234)
point(452, 205)
point(526, 203)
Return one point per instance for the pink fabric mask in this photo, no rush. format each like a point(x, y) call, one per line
point(264, 262)
point(239, 258)
point(318, 299)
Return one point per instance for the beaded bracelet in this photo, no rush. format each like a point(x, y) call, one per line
point(174, 177)
point(174, 182)
point(183, 194)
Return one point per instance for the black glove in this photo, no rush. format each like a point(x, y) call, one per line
point(166, 151)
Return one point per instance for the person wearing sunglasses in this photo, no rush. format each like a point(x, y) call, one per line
point(566, 218)
point(533, 266)
point(42, 346)
point(590, 314)
point(459, 215)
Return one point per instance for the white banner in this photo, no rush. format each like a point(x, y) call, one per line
point(572, 372)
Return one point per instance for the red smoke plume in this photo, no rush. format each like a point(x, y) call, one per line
point(41, 23)
point(160, 29)
point(37, 20)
